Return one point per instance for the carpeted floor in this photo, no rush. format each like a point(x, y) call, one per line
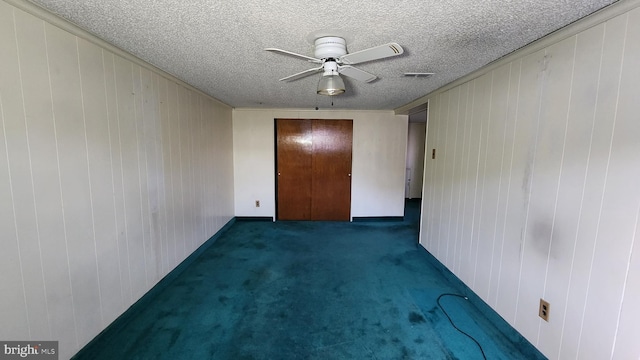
point(311, 290)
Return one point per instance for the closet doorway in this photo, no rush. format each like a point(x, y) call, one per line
point(313, 169)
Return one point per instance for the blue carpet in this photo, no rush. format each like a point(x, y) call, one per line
point(311, 290)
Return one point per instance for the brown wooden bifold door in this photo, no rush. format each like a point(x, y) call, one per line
point(293, 162)
point(313, 166)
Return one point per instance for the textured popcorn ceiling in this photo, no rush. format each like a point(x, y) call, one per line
point(218, 46)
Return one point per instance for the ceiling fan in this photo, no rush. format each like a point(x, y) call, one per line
point(331, 55)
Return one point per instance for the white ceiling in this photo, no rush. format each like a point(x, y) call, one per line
point(218, 46)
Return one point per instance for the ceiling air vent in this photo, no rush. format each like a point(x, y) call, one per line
point(418, 74)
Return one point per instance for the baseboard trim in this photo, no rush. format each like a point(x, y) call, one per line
point(377, 218)
point(121, 321)
point(254, 218)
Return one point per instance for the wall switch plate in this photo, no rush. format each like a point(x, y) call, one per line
point(543, 311)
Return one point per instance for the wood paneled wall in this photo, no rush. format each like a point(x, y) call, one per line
point(535, 190)
point(110, 176)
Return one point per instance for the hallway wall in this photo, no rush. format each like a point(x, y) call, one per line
point(534, 192)
point(111, 173)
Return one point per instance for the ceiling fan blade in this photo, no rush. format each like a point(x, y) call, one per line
point(301, 74)
point(374, 53)
point(356, 73)
point(308, 58)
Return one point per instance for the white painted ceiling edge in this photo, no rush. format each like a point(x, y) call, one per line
point(218, 47)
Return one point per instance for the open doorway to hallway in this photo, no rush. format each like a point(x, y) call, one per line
point(415, 154)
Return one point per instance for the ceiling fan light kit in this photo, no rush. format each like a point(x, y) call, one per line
point(331, 83)
point(331, 53)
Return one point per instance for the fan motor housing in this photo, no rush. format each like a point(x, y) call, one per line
point(330, 47)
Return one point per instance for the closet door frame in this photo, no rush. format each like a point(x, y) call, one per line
point(322, 190)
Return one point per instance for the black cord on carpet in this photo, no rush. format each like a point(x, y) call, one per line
point(454, 325)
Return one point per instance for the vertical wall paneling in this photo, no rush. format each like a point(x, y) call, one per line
point(611, 38)
point(625, 345)
point(509, 146)
point(438, 181)
point(98, 143)
point(545, 192)
point(197, 185)
point(465, 210)
point(150, 208)
point(501, 145)
point(482, 112)
point(170, 151)
point(141, 200)
point(119, 221)
point(493, 179)
point(108, 174)
point(488, 181)
point(570, 188)
point(13, 287)
point(448, 153)
point(71, 144)
point(556, 74)
point(130, 152)
point(619, 206)
point(159, 212)
point(523, 155)
point(427, 192)
point(457, 162)
point(181, 118)
point(163, 183)
point(435, 190)
point(464, 125)
point(27, 162)
point(185, 166)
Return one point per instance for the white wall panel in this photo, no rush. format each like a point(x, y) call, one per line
point(437, 225)
point(549, 199)
point(98, 142)
point(571, 183)
point(110, 175)
point(505, 115)
point(119, 305)
point(626, 147)
point(13, 305)
point(428, 183)
point(555, 86)
point(71, 148)
point(621, 198)
point(164, 181)
point(509, 258)
point(378, 169)
point(465, 126)
point(609, 55)
point(448, 155)
point(34, 126)
point(493, 164)
point(626, 339)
